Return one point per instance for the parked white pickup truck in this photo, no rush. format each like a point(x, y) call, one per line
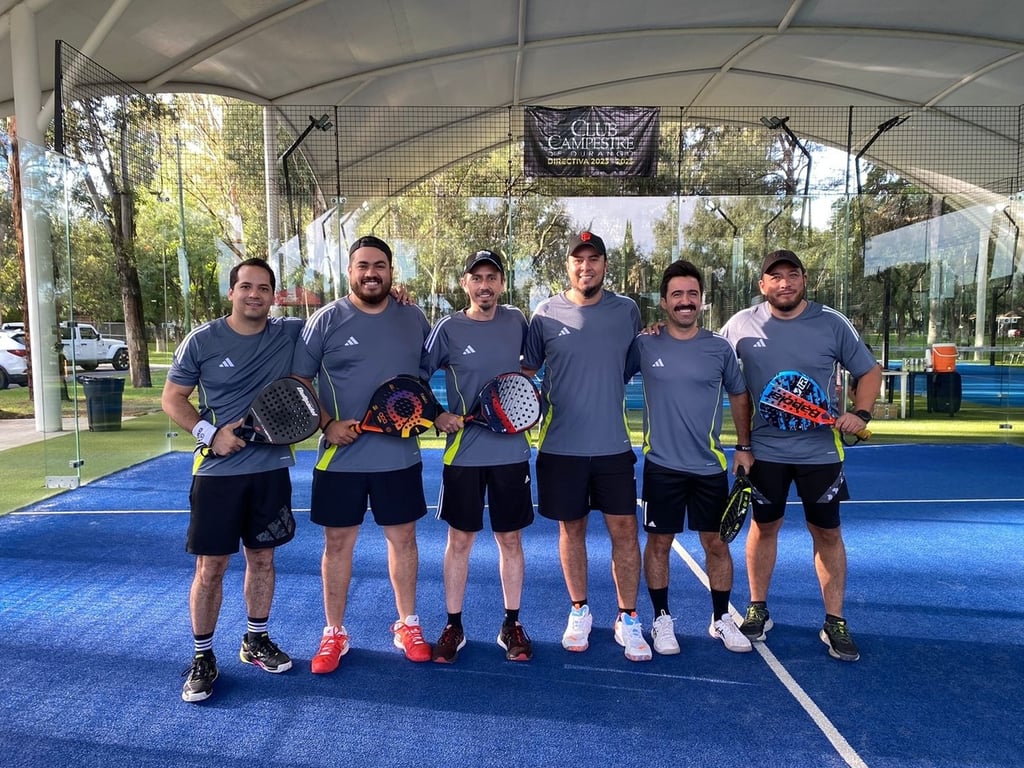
point(88, 348)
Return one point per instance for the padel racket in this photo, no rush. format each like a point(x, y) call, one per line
point(736, 507)
point(285, 412)
point(794, 402)
point(509, 403)
point(401, 407)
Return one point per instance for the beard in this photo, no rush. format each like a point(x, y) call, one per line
point(372, 298)
point(787, 305)
point(590, 291)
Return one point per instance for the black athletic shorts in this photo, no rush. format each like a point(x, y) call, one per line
point(255, 508)
point(820, 487)
point(672, 498)
point(509, 497)
point(396, 497)
point(568, 487)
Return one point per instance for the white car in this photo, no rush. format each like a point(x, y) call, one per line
point(13, 360)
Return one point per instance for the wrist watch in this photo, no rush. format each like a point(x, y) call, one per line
point(863, 415)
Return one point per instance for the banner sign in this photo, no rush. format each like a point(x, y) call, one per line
point(591, 141)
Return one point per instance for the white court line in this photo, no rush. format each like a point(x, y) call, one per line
point(841, 745)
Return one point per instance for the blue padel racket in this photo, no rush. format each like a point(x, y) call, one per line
point(794, 402)
point(403, 406)
point(736, 507)
point(509, 403)
point(285, 412)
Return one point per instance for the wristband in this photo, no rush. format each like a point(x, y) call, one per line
point(204, 432)
point(743, 448)
point(323, 429)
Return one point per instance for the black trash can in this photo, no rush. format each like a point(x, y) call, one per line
point(103, 401)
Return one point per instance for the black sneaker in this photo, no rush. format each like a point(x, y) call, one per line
point(757, 622)
point(836, 636)
point(447, 648)
point(264, 653)
point(200, 676)
point(515, 641)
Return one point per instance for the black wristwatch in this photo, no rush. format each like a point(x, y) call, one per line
point(863, 415)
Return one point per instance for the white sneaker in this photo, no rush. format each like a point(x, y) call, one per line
point(629, 633)
point(664, 636)
point(577, 631)
point(725, 629)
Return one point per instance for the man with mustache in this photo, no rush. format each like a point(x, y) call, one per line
point(584, 457)
point(789, 332)
point(685, 370)
point(473, 346)
point(351, 346)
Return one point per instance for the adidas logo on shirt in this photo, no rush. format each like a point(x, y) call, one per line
point(352, 341)
point(564, 332)
point(657, 364)
point(226, 363)
point(469, 350)
point(759, 344)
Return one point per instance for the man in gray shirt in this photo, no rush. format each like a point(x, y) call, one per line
point(686, 370)
point(788, 332)
point(353, 345)
point(584, 459)
point(473, 346)
point(239, 490)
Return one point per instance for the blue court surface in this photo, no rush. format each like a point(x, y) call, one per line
point(94, 635)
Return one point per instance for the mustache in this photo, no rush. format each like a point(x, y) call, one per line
point(680, 307)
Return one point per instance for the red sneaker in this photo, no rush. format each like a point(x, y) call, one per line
point(333, 645)
point(409, 637)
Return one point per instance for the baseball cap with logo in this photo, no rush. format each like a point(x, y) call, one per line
point(483, 257)
point(587, 238)
point(775, 257)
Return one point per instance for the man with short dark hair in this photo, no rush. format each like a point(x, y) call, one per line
point(473, 346)
point(685, 370)
point(239, 490)
point(584, 457)
point(351, 346)
point(789, 332)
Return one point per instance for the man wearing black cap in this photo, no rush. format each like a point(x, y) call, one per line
point(789, 332)
point(473, 346)
point(584, 457)
point(352, 345)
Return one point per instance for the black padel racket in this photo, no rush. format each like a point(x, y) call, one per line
point(736, 507)
point(794, 402)
point(509, 403)
point(285, 412)
point(401, 407)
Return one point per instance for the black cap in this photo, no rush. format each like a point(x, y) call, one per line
point(587, 238)
point(369, 241)
point(481, 257)
point(775, 257)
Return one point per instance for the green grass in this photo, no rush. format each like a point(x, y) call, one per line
point(25, 468)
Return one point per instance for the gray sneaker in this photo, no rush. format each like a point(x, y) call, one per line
point(836, 636)
point(756, 622)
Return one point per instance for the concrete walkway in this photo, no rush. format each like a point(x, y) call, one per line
point(17, 432)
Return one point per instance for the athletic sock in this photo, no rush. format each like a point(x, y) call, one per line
point(203, 643)
point(455, 619)
point(659, 601)
point(511, 616)
point(256, 627)
point(578, 604)
point(720, 602)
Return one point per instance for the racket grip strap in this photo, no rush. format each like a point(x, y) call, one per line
point(204, 432)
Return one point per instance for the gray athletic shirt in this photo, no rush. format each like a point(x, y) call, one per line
point(583, 352)
point(472, 352)
point(684, 382)
point(229, 369)
point(816, 343)
point(351, 353)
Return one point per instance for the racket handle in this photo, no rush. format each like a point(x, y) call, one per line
point(864, 434)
